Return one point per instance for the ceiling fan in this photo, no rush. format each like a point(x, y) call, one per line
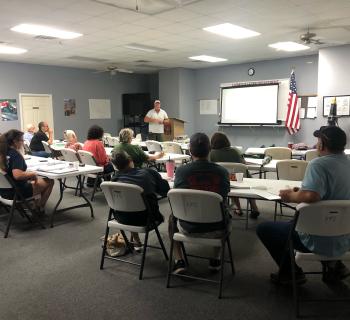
point(310, 38)
point(113, 70)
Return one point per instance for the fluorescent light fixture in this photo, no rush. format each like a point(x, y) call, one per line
point(142, 47)
point(231, 31)
point(288, 46)
point(207, 58)
point(11, 50)
point(39, 30)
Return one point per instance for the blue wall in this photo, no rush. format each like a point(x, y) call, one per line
point(61, 83)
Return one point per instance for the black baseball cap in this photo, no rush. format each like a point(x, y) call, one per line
point(332, 136)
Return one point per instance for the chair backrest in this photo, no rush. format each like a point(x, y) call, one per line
point(87, 157)
point(4, 182)
point(123, 196)
point(311, 154)
point(327, 218)
point(153, 145)
point(109, 141)
point(196, 205)
point(172, 147)
point(239, 148)
point(234, 167)
point(278, 153)
point(291, 169)
point(46, 147)
point(70, 155)
point(26, 147)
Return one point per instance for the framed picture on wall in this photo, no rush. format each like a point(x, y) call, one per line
point(342, 105)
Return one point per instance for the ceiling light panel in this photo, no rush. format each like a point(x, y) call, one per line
point(141, 47)
point(11, 50)
point(231, 31)
point(289, 46)
point(40, 30)
point(207, 58)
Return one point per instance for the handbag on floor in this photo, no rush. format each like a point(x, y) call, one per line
point(116, 246)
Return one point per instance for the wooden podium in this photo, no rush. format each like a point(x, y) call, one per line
point(174, 128)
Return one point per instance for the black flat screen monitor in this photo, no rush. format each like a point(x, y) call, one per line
point(136, 103)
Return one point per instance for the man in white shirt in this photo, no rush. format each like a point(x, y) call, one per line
point(156, 119)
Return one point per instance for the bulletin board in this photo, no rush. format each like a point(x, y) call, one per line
point(343, 105)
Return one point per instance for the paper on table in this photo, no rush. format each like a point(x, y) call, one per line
point(267, 195)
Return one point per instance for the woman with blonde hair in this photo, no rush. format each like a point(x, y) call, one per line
point(135, 152)
point(71, 140)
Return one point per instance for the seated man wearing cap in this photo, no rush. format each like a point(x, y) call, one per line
point(201, 175)
point(326, 178)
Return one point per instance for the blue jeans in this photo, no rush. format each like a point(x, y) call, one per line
point(42, 154)
point(274, 236)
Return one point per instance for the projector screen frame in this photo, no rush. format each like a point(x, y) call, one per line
point(246, 85)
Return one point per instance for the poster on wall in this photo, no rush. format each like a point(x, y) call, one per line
point(100, 108)
point(8, 109)
point(69, 107)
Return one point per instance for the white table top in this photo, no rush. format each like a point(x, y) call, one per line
point(34, 163)
point(261, 151)
point(172, 156)
point(267, 189)
point(261, 188)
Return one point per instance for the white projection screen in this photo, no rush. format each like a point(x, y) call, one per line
point(249, 104)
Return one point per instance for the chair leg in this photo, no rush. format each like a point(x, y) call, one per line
point(294, 282)
point(222, 262)
point(9, 222)
point(161, 243)
point(143, 255)
point(104, 247)
point(275, 214)
point(230, 253)
point(170, 262)
point(95, 187)
point(184, 253)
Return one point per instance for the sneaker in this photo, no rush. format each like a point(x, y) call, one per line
point(214, 265)
point(286, 279)
point(254, 215)
point(138, 247)
point(336, 271)
point(179, 267)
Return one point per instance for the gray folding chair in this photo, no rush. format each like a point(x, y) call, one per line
point(18, 203)
point(311, 154)
point(196, 206)
point(289, 170)
point(87, 158)
point(129, 198)
point(70, 155)
point(329, 218)
point(153, 146)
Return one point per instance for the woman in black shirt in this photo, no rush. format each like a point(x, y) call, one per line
point(12, 161)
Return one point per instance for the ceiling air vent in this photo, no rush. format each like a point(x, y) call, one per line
point(45, 38)
point(87, 59)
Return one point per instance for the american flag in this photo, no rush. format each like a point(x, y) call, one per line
point(293, 119)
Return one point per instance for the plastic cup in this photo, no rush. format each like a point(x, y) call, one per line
point(290, 145)
point(170, 168)
point(239, 176)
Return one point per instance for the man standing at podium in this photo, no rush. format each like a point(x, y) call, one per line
point(156, 118)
